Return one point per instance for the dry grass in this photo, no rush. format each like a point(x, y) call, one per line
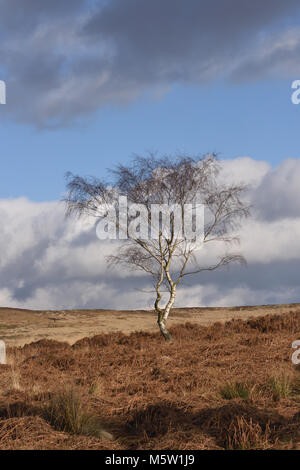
point(66, 412)
point(19, 327)
point(236, 390)
point(245, 434)
point(281, 386)
point(225, 386)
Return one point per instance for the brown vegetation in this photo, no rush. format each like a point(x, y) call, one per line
point(19, 327)
point(224, 386)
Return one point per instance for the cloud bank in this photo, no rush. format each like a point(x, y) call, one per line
point(63, 59)
point(50, 262)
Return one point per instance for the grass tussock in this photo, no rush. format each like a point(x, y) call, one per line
point(66, 412)
point(245, 434)
point(281, 386)
point(236, 390)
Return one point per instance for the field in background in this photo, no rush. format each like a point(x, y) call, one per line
point(19, 327)
point(224, 386)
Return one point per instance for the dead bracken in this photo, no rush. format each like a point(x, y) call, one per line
point(224, 386)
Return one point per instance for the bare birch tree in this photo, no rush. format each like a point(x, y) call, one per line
point(165, 250)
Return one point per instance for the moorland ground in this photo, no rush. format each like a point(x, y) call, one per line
point(230, 384)
point(19, 327)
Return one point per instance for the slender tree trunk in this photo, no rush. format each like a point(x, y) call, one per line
point(163, 316)
point(162, 326)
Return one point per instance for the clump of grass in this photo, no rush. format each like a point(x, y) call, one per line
point(245, 434)
point(96, 388)
point(15, 379)
point(296, 387)
point(65, 412)
point(236, 390)
point(281, 386)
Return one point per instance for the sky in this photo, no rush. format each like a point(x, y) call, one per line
point(92, 82)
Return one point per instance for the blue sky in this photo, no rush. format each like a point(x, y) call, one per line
point(254, 119)
point(89, 83)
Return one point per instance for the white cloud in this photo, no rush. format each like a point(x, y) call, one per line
point(48, 261)
point(278, 193)
point(244, 170)
point(264, 241)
